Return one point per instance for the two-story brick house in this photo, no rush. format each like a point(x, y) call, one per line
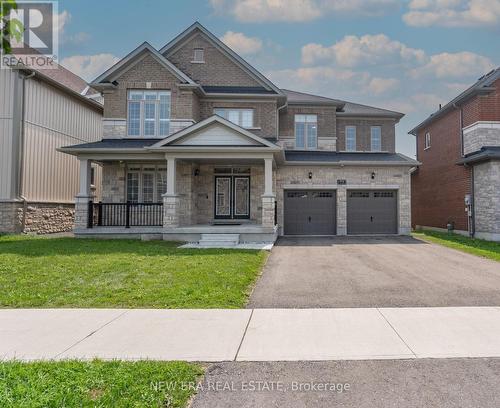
point(196, 141)
point(458, 182)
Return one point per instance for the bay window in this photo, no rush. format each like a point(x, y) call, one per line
point(306, 131)
point(148, 113)
point(146, 184)
point(240, 117)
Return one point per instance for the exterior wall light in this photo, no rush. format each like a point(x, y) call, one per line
point(373, 175)
point(310, 175)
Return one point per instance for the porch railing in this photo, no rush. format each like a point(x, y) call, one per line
point(125, 214)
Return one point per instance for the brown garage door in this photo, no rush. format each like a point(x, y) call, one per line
point(372, 212)
point(310, 212)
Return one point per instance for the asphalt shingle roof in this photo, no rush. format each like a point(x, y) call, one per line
point(115, 144)
point(301, 97)
point(337, 157)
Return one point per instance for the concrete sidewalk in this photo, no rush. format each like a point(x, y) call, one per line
point(250, 335)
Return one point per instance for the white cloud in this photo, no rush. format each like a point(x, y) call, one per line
point(299, 10)
point(454, 65)
point(352, 51)
point(383, 85)
point(242, 44)
point(89, 66)
point(61, 20)
point(453, 13)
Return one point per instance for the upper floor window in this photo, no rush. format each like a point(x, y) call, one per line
point(240, 117)
point(306, 131)
point(350, 138)
point(148, 113)
point(427, 140)
point(198, 55)
point(376, 138)
point(146, 184)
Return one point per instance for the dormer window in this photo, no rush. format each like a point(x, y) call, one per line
point(148, 113)
point(198, 55)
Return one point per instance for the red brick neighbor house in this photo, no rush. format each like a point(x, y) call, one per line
point(458, 182)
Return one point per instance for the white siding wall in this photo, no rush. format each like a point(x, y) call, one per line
point(6, 111)
point(55, 119)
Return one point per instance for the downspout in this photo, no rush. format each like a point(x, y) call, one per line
point(278, 118)
point(472, 220)
point(21, 149)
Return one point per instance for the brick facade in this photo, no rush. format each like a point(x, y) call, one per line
point(264, 114)
point(217, 70)
point(440, 185)
point(183, 102)
point(363, 133)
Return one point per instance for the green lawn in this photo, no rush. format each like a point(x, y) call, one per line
point(479, 247)
point(97, 384)
point(67, 272)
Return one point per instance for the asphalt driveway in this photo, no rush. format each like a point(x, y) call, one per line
point(373, 272)
point(439, 383)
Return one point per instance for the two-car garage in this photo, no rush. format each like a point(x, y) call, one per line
point(314, 212)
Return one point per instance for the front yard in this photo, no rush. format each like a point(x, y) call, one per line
point(97, 383)
point(67, 272)
point(479, 247)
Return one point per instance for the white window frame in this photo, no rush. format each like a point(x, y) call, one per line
point(347, 144)
point(225, 112)
point(142, 102)
point(196, 60)
point(427, 141)
point(140, 170)
point(379, 149)
point(308, 118)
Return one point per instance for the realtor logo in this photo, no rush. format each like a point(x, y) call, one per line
point(32, 38)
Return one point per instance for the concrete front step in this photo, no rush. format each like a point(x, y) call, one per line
point(219, 240)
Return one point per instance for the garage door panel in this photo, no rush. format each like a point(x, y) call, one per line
point(309, 212)
point(372, 212)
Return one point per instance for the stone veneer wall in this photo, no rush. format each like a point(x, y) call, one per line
point(40, 218)
point(487, 200)
point(297, 177)
point(481, 136)
point(203, 194)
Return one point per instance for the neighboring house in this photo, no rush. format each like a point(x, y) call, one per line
point(458, 182)
point(199, 142)
point(40, 111)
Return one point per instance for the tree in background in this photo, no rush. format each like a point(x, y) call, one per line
point(10, 28)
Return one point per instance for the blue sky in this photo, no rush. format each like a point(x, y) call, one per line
point(405, 55)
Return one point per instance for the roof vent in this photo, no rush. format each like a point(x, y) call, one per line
point(440, 106)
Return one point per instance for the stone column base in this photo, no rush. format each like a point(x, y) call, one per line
point(268, 211)
point(171, 210)
point(82, 211)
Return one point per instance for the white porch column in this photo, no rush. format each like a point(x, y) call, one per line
point(84, 195)
point(268, 199)
point(171, 202)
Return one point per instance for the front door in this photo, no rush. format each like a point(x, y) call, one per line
point(232, 197)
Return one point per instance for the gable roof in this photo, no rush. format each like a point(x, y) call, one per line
point(214, 119)
point(109, 75)
point(482, 86)
point(356, 109)
point(302, 98)
point(186, 34)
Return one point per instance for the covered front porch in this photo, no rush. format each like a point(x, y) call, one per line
point(212, 178)
point(184, 197)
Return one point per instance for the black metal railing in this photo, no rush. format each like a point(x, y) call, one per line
point(275, 212)
point(125, 214)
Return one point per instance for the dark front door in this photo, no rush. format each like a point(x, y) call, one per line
point(310, 212)
point(232, 197)
point(372, 212)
